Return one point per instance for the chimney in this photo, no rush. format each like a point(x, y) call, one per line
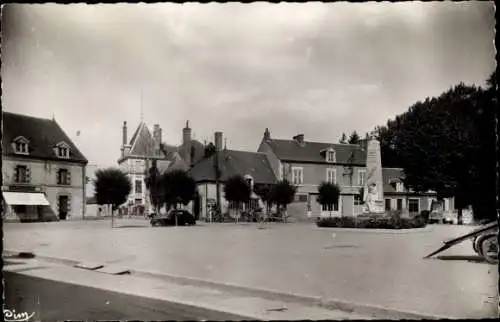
point(186, 143)
point(218, 141)
point(186, 134)
point(267, 135)
point(299, 138)
point(124, 133)
point(157, 138)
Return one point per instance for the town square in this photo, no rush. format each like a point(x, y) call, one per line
point(166, 169)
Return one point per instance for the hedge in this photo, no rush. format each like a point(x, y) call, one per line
point(386, 221)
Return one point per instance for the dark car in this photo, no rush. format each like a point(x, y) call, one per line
point(184, 217)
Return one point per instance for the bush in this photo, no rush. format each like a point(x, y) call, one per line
point(425, 214)
point(388, 221)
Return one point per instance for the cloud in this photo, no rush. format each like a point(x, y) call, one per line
point(316, 68)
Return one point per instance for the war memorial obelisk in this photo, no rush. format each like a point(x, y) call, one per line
point(374, 188)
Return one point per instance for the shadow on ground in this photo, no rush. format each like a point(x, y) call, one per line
point(469, 258)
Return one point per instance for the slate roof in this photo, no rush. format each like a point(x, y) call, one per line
point(199, 150)
point(391, 175)
point(232, 162)
point(142, 143)
point(43, 134)
point(290, 150)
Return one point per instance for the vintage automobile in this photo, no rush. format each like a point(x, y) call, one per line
point(173, 218)
point(484, 242)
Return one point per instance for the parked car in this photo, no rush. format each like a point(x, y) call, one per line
point(184, 217)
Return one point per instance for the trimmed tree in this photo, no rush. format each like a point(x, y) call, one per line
point(178, 188)
point(111, 186)
point(282, 195)
point(329, 194)
point(238, 191)
point(264, 191)
point(153, 184)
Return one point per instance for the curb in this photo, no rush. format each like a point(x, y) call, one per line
point(374, 311)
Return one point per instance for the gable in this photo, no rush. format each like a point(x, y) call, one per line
point(21, 139)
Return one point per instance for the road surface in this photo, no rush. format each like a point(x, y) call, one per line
point(61, 301)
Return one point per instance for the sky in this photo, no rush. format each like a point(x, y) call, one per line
point(314, 68)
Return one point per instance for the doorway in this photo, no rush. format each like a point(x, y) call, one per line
point(63, 207)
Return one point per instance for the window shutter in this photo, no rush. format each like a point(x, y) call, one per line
point(68, 177)
point(28, 175)
point(16, 174)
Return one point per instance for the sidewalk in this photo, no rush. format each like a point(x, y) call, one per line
point(247, 307)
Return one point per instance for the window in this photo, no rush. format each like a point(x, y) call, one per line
point(330, 155)
point(138, 201)
point(20, 145)
point(138, 186)
point(334, 207)
point(399, 203)
point(21, 174)
point(62, 150)
point(399, 187)
point(387, 204)
point(331, 175)
point(301, 198)
point(361, 177)
point(63, 177)
point(297, 176)
point(413, 205)
point(358, 200)
point(19, 209)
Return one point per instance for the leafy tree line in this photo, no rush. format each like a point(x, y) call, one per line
point(447, 144)
point(237, 190)
point(354, 138)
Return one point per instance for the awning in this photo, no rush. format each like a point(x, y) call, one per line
point(25, 198)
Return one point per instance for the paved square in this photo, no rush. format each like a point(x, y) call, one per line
point(383, 269)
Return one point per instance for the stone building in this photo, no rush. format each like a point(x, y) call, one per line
point(43, 171)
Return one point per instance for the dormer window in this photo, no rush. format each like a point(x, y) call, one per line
point(330, 155)
point(62, 150)
point(20, 145)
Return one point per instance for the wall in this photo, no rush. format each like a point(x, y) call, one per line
point(43, 174)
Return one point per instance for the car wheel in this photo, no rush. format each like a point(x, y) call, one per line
point(489, 248)
point(155, 224)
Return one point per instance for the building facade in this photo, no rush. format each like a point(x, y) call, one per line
point(306, 164)
point(252, 166)
point(138, 154)
point(43, 171)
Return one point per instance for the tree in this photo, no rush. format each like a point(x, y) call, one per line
point(238, 191)
point(354, 138)
point(153, 184)
point(343, 139)
point(283, 194)
point(111, 187)
point(445, 144)
point(178, 188)
point(329, 194)
point(264, 191)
